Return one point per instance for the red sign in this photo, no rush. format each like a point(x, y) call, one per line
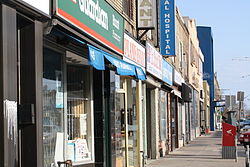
point(229, 133)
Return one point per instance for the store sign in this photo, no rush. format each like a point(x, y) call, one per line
point(167, 72)
point(154, 61)
point(96, 18)
point(167, 27)
point(43, 6)
point(134, 51)
point(178, 79)
point(146, 14)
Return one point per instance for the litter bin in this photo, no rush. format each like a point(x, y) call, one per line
point(228, 141)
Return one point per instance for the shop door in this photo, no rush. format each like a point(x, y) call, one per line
point(118, 131)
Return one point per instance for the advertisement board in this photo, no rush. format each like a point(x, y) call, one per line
point(96, 18)
point(146, 14)
point(134, 51)
point(167, 27)
point(154, 61)
point(167, 72)
point(178, 79)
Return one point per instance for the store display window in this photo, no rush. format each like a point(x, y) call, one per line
point(67, 109)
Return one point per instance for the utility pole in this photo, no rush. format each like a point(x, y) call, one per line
point(240, 98)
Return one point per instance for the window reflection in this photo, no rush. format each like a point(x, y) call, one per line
point(52, 104)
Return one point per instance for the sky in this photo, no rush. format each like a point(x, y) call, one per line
point(230, 22)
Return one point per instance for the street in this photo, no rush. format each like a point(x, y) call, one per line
point(204, 151)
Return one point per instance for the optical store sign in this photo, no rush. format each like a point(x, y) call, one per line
point(96, 18)
point(134, 51)
point(167, 27)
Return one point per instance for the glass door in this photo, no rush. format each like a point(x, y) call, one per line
point(118, 131)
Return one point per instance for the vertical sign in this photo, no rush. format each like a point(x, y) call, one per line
point(146, 14)
point(167, 27)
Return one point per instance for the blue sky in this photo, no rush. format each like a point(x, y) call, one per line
point(230, 22)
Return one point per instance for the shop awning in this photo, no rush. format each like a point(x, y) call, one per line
point(96, 59)
point(122, 67)
point(97, 56)
point(176, 93)
point(140, 73)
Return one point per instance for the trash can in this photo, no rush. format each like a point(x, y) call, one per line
point(228, 141)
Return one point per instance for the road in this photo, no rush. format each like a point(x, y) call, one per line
point(205, 151)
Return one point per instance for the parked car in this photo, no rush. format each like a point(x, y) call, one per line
point(244, 123)
point(245, 138)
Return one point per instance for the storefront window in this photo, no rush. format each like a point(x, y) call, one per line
point(132, 124)
point(53, 105)
point(67, 110)
point(163, 111)
point(79, 135)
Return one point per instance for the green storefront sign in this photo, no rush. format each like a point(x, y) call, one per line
point(96, 18)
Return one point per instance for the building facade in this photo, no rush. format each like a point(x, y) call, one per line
point(206, 45)
point(86, 84)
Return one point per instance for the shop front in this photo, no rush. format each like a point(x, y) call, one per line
point(164, 108)
point(186, 93)
point(159, 82)
point(90, 107)
point(21, 82)
point(134, 53)
point(178, 81)
point(154, 74)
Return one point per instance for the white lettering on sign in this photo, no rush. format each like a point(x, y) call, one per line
point(92, 55)
point(146, 13)
point(95, 12)
point(167, 26)
point(116, 22)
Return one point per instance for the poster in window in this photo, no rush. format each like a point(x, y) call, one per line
point(83, 124)
point(81, 150)
point(71, 150)
point(59, 99)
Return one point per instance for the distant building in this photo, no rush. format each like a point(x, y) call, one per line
point(206, 45)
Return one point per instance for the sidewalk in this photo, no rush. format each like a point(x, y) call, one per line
point(205, 151)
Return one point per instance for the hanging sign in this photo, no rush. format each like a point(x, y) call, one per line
point(167, 27)
point(146, 14)
point(96, 18)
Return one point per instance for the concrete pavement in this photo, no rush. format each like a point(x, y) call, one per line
point(205, 151)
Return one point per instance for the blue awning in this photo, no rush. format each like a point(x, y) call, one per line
point(96, 58)
point(122, 67)
point(140, 73)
